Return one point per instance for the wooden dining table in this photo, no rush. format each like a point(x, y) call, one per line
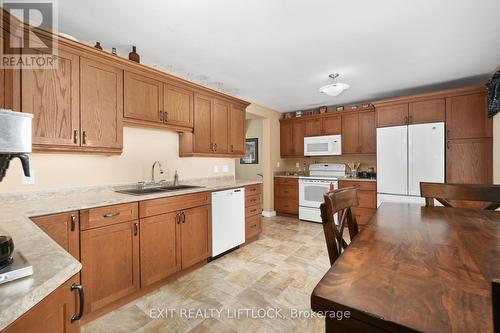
point(414, 269)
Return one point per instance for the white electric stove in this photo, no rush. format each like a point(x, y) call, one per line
point(322, 177)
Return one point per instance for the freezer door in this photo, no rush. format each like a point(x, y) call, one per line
point(425, 155)
point(392, 160)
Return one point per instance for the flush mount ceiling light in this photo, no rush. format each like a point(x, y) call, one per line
point(335, 88)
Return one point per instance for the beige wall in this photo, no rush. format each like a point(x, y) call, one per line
point(271, 160)
point(496, 149)
point(366, 162)
point(141, 147)
point(250, 171)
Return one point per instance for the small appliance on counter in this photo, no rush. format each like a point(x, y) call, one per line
point(13, 265)
point(15, 139)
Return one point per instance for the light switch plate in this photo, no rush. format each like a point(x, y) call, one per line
point(225, 168)
point(297, 165)
point(29, 180)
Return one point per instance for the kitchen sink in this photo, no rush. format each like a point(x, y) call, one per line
point(151, 190)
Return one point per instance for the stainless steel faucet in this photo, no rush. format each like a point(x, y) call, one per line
point(153, 171)
point(176, 178)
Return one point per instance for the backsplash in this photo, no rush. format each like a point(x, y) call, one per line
point(289, 164)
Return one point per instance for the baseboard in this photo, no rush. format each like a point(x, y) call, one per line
point(268, 213)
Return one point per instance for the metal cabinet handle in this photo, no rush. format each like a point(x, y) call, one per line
point(406, 120)
point(161, 115)
point(183, 215)
point(111, 214)
point(410, 119)
point(84, 137)
point(448, 134)
point(216, 146)
point(448, 144)
point(253, 210)
point(136, 229)
point(165, 116)
point(81, 297)
point(75, 136)
point(178, 218)
point(232, 148)
point(73, 222)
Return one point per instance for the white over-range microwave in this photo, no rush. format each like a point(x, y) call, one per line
point(326, 145)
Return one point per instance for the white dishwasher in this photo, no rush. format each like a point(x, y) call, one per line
point(228, 220)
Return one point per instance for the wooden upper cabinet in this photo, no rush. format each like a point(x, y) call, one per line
point(64, 229)
point(313, 127)
point(286, 138)
point(350, 136)
point(237, 130)
point(367, 133)
point(110, 260)
point(469, 161)
point(220, 126)
point(52, 96)
point(203, 106)
point(430, 111)
point(160, 247)
point(177, 105)
point(298, 133)
point(392, 115)
point(196, 235)
point(101, 104)
point(332, 125)
point(142, 98)
point(466, 117)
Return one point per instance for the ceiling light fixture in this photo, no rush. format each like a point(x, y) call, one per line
point(335, 88)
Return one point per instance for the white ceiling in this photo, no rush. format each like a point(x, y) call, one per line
point(278, 53)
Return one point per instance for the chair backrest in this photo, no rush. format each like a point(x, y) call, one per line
point(340, 202)
point(495, 301)
point(458, 195)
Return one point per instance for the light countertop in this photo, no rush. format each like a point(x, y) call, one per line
point(52, 265)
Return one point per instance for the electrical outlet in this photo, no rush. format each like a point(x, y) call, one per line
point(216, 168)
point(29, 180)
point(278, 164)
point(297, 165)
point(225, 168)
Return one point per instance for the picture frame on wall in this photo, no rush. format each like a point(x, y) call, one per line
point(251, 151)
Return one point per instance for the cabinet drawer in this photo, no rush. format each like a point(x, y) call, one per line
point(363, 215)
point(253, 226)
point(253, 189)
point(171, 204)
point(108, 215)
point(253, 210)
point(286, 181)
point(284, 205)
point(359, 184)
point(252, 200)
point(286, 191)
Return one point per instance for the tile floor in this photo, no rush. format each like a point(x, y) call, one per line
point(276, 273)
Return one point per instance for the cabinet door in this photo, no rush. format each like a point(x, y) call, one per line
point(52, 96)
point(367, 133)
point(62, 228)
point(101, 104)
point(466, 117)
point(286, 138)
point(202, 125)
point(178, 105)
point(350, 135)
point(237, 129)
point(220, 126)
point(142, 98)
point(110, 260)
point(52, 314)
point(313, 127)
point(332, 125)
point(392, 115)
point(469, 161)
point(431, 111)
point(160, 249)
point(196, 235)
point(298, 133)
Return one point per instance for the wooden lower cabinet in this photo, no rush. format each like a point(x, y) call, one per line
point(253, 212)
point(469, 161)
point(160, 250)
point(367, 199)
point(64, 229)
point(110, 259)
point(286, 195)
point(196, 235)
point(52, 314)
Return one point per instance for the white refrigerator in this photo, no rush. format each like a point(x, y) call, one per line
point(406, 156)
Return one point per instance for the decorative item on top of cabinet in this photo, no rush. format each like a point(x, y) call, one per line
point(215, 133)
point(98, 45)
point(59, 312)
point(134, 56)
point(286, 196)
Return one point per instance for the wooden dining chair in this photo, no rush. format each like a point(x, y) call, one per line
point(495, 301)
point(340, 202)
point(461, 195)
